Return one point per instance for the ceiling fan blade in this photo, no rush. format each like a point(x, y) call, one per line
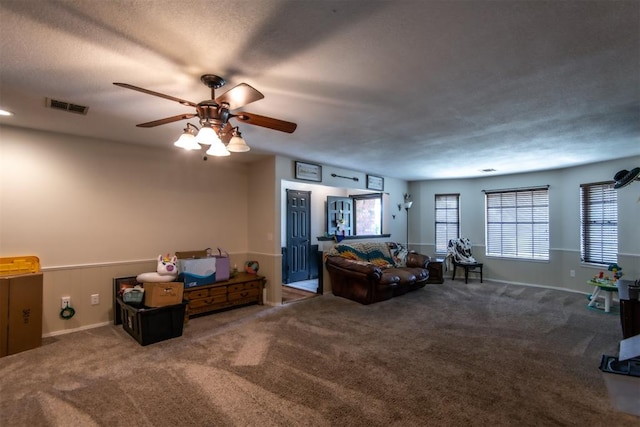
point(266, 122)
point(166, 120)
point(161, 95)
point(239, 96)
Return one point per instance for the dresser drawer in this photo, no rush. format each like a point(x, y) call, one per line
point(196, 293)
point(246, 293)
point(212, 299)
point(218, 290)
point(254, 284)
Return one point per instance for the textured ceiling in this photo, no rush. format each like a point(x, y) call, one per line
point(408, 89)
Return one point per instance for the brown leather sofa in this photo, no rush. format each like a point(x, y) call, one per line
point(369, 272)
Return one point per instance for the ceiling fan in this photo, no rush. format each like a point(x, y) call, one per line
point(214, 115)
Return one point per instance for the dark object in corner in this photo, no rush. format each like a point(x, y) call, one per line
point(151, 325)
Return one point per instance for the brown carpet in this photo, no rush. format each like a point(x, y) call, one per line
point(446, 355)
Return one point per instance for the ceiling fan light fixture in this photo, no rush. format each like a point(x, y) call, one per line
point(187, 140)
point(218, 149)
point(214, 115)
point(237, 144)
point(207, 136)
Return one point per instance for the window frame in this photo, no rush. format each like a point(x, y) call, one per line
point(350, 225)
point(523, 213)
point(447, 224)
point(359, 197)
point(603, 197)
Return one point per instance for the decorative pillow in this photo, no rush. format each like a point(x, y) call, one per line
point(398, 253)
point(166, 271)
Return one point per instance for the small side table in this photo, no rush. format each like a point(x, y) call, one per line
point(435, 268)
point(602, 289)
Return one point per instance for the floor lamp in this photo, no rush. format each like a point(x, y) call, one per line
point(407, 206)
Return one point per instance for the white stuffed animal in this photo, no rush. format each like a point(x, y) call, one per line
point(167, 271)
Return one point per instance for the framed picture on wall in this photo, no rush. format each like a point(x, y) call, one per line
point(375, 182)
point(308, 171)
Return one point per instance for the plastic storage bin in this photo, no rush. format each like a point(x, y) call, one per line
point(151, 325)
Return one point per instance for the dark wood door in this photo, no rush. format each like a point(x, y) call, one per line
point(298, 235)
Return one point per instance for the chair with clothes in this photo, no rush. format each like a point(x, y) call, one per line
point(459, 255)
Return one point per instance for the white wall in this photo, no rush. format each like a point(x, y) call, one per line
point(564, 211)
point(335, 186)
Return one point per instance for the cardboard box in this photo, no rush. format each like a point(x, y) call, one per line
point(20, 313)
point(163, 294)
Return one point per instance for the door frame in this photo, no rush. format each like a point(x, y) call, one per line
point(307, 232)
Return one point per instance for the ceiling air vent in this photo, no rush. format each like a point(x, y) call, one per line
point(66, 106)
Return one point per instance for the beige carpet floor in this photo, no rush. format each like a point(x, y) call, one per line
point(447, 355)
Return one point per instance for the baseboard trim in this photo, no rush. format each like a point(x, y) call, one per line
point(536, 286)
point(69, 331)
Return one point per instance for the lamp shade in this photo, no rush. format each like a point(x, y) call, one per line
point(218, 149)
point(407, 205)
point(187, 141)
point(237, 145)
point(207, 136)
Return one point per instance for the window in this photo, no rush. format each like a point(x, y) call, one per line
point(598, 223)
point(357, 215)
point(368, 215)
point(518, 223)
point(447, 220)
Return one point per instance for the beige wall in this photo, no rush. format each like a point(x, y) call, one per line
point(92, 210)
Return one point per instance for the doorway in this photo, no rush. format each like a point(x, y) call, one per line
point(297, 252)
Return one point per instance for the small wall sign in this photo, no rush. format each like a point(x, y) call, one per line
point(375, 182)
point(308, 171)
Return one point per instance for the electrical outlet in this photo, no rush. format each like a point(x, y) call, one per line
point(65, 302)
point(572, 273)
point(95, 299)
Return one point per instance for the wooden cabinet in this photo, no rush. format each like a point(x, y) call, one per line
point(435, 268)
point(243, 289)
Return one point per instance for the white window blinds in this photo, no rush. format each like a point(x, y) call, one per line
point(447, 220)
point(599, 223)
point(518, 223)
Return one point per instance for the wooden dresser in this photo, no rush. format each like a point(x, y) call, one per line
point(242, 289)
